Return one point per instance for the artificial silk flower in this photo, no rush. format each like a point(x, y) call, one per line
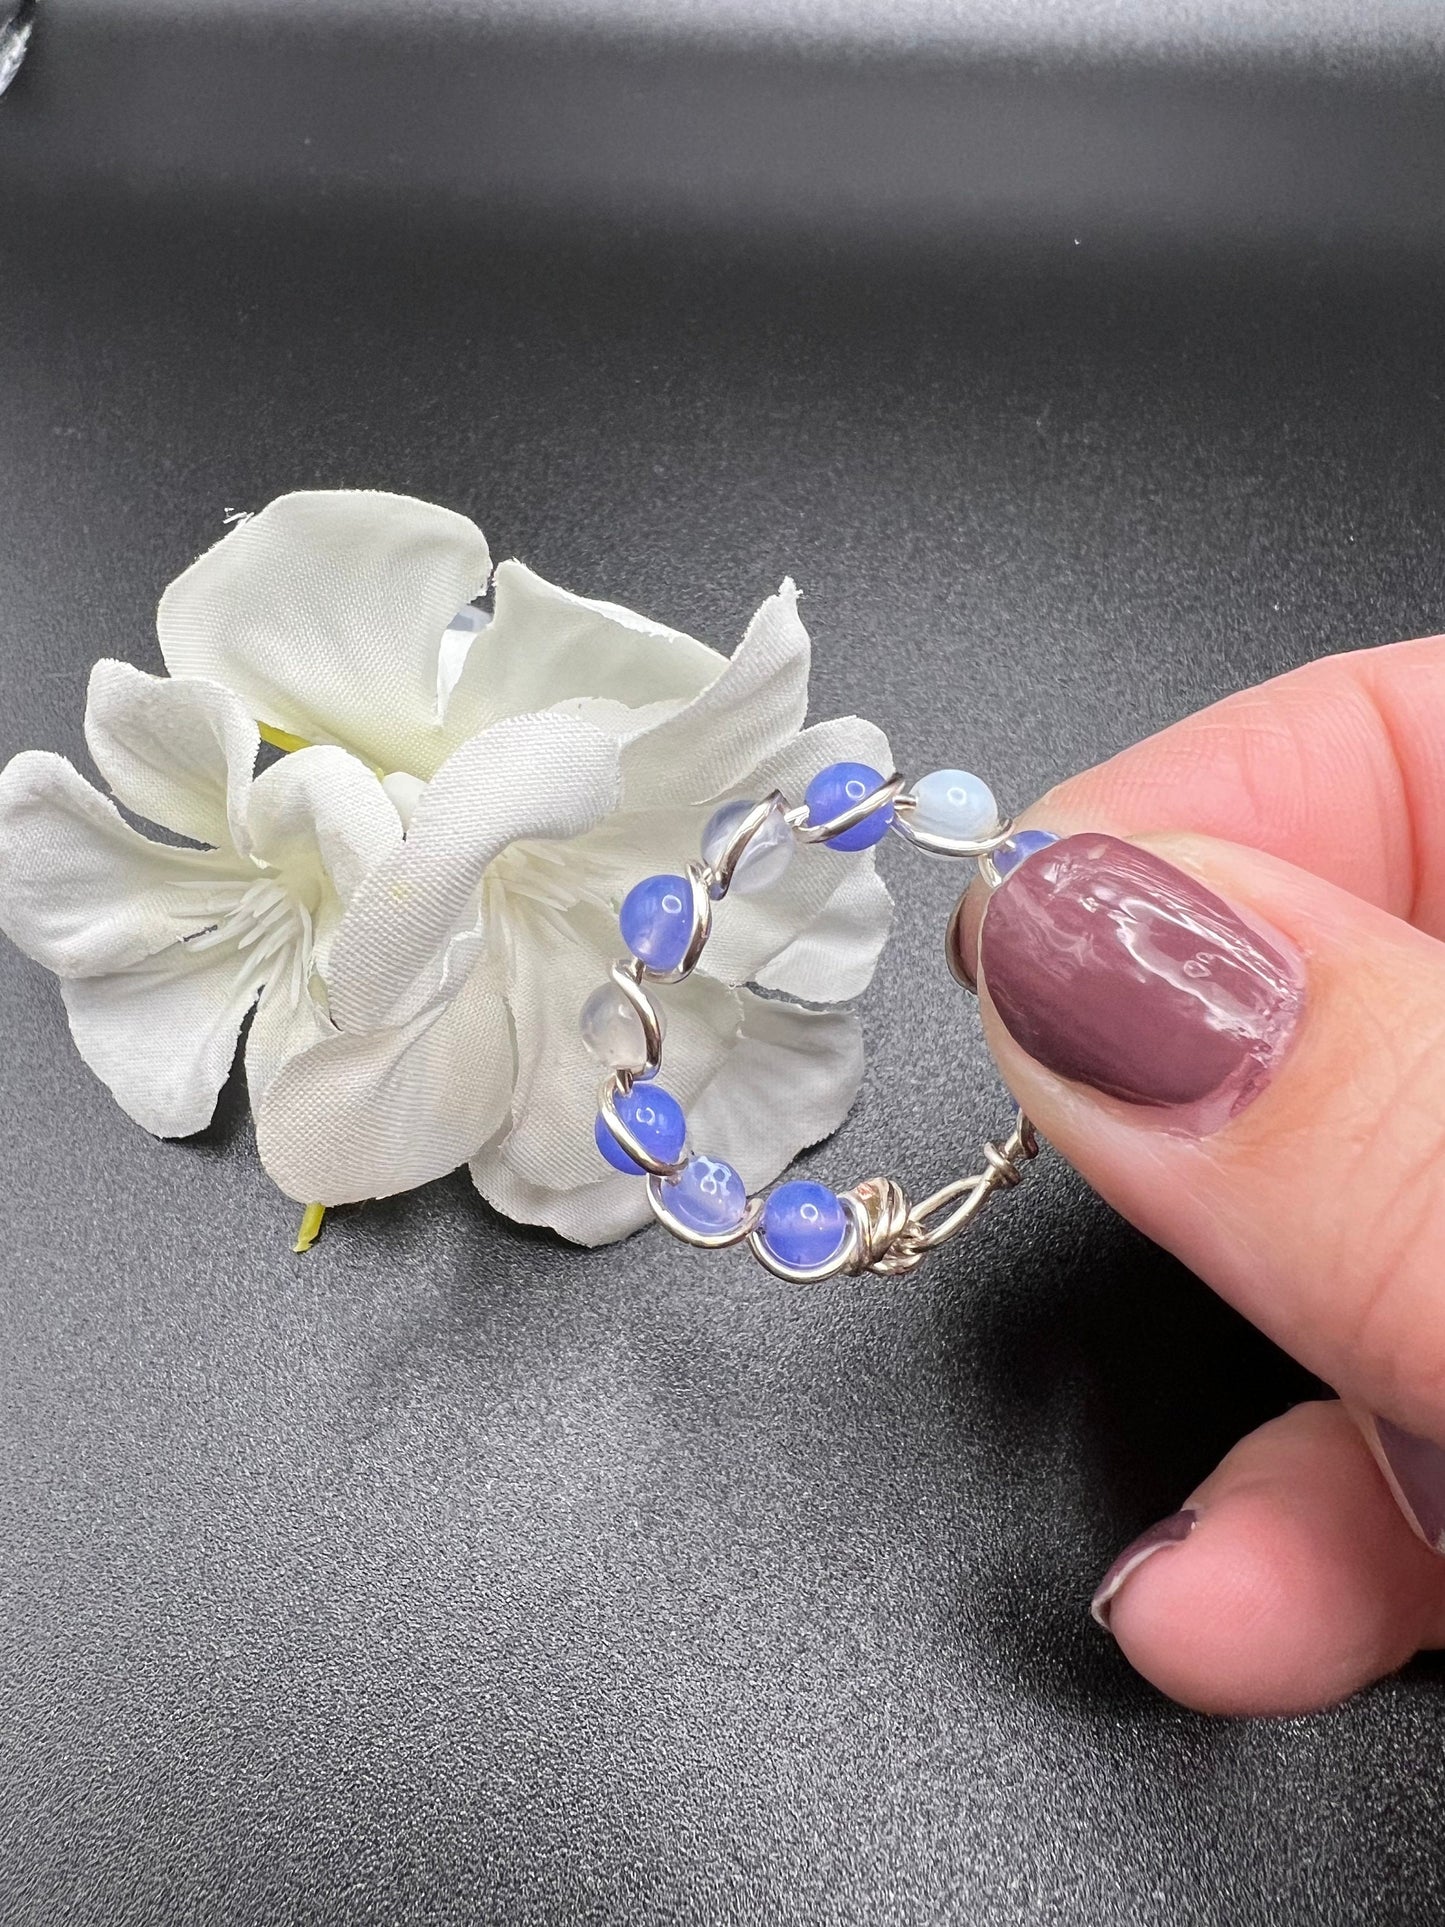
point(544, 760)
point(162, 950)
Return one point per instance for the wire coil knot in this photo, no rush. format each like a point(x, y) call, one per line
point(888, 1240)
point(894, 1236)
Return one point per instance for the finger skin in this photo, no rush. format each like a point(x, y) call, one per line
point(1338, 767)
point(1319, 1211)
point(1297, 1588)
point(1299, 1584)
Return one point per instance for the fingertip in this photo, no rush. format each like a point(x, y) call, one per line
point(1220, 1625)
point(1297, 1584)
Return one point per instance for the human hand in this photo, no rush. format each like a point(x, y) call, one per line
point(1259, 1084)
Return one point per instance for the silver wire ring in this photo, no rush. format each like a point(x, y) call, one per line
point(883, 1232)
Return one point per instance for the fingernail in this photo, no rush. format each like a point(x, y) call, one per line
point(1414, 1469)
point(1113, 968)
point(1169, 1532)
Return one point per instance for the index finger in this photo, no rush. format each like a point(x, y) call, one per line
point(1338, 767)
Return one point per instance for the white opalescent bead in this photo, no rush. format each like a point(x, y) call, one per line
point(954, 803)
point(457, 639)
point(612, 1030)
point(707, 1195)
point(769, 851)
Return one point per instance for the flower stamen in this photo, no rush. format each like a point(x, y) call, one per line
point(269, 928)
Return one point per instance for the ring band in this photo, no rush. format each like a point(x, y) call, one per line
point(800, 1231)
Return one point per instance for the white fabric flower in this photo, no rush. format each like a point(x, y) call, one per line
point(545, 763)
point(161, 950)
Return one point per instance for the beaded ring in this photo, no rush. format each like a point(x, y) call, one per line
point(801, 1231)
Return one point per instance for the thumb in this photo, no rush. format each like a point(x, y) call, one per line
point(1249, 1063)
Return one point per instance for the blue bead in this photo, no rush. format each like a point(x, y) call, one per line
point(804, 1224)
point(834, 790)
point(656, 921)
point(1018, 849)
point(654, 1118)
point(707, 1195)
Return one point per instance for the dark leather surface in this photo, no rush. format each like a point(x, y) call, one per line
point(1265, 123)
point(452, 1574)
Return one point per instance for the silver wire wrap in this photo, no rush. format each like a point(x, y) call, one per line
point(886, 1234)
point(981, 847)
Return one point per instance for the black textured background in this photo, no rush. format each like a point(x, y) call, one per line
point(452, 1574)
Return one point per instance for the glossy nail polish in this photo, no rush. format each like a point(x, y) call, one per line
point(1172, 1531)
point(1115, 969)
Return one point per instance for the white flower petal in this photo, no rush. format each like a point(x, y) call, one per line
point(831, 957)
point(541, 777)
point(817, 933)
point(834, 958)
point(404, 792)
point(715, 742)
point(80, 890)
point(830, 904)
point(367, 1114)
point(452, 959)
point(593, 1214)
point(321, 807)
point(552, 971)
point(749, 932)
point(621, 721)
point(178, 752)
point(161, 1034)
point(545, 645)
point(325, 612)
point(629, 845)
point(787, 1082)
point(280, 1030)
point(793, 764)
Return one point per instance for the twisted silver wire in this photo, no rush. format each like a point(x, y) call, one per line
point(935, 844)
point(807, 831)
point(885, 1234)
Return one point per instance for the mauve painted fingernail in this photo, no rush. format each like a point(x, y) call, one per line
point(1169, 1532)
point(1113, 968)
point(1415, 1471)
